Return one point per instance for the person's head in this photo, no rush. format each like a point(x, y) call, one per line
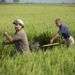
point(18, 24)
point(58, 22)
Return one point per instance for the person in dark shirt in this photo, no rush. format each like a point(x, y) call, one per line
point(20, 38)
point(63, 32)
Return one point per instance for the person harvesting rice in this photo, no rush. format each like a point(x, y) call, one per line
point(63, 32)
point(20, 38)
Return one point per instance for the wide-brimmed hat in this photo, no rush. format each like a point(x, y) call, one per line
point(18, 21)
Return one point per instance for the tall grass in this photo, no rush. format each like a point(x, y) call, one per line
point(56, 62)
point(39, 25)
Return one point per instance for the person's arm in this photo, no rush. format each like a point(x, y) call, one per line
point(9, 38)
point(6, 42)
point(54, 37)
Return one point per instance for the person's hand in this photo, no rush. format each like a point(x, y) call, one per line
point(51, 41)
point(5, 33)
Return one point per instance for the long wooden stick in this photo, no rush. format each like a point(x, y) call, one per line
point(48, 45)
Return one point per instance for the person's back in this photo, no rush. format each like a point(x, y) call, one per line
point(64, 31)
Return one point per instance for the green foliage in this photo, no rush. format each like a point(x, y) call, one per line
point(56, 62)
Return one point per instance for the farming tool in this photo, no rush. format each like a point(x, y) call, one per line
point(50, 45)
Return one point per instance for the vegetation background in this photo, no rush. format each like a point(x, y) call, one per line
point(39, 22)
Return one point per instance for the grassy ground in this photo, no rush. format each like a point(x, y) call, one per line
point(38, 19)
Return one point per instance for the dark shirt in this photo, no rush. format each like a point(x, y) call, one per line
point(64, 32)
point(21, 41)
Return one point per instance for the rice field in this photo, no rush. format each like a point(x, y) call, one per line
point(39, 22)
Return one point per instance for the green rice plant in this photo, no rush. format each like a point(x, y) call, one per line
point(39, 26)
